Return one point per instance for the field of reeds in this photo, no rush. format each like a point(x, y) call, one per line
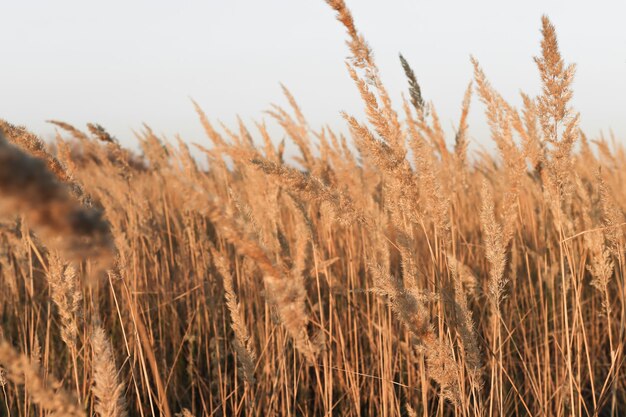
point(381, 273)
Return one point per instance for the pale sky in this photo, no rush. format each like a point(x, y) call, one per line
point(123, 63)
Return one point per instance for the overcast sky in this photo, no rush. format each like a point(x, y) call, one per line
point(123, 63)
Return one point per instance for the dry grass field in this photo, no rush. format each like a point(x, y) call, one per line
point(385, 273)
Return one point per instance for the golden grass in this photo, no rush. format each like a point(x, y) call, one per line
point(401, 277)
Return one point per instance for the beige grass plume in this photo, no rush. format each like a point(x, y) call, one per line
point(107, 390)
point(311, 188)
point(465, 324)
point(495, 249)
point(32, 144)
point(242, 343)
point(409, 305)
point(67, 295)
